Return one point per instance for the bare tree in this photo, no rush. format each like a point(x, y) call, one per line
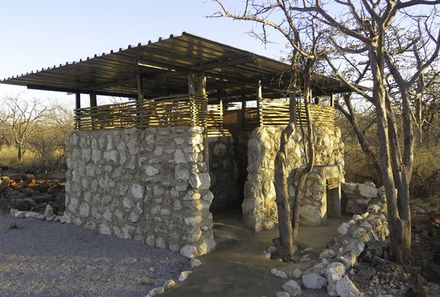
point(380, 38)
point(390, 34)
point(48, 137)
point(304, 40)
point(21, 117)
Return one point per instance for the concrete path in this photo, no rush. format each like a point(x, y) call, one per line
point(237, 268)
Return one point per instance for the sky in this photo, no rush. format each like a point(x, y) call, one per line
point(43, 33)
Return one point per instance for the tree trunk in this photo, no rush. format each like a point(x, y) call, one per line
point(284, 243)
point(398, 229)
point(20, 152)
point(299, 193)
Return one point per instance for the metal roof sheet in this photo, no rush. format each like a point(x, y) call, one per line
point(164, 66)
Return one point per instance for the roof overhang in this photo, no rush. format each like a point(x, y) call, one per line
point(165, 65)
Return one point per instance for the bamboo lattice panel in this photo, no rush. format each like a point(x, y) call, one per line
point(276, 112)
point(251, 120)
point(159, 112)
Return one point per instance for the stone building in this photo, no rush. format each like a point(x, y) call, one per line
point(198, 136)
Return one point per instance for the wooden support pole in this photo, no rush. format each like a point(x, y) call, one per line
point(140, 87)
point(221, 114)
point(243, 111)
point(77, 106)
point(93, 103)
point(77, 100)
point(140, 97)
point(332, 100)
point(259, 97)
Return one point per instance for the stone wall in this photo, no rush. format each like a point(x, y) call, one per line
point(223, 171)
point(314, 208)
point(259, 206)
point(357, 196)
point(151, 185)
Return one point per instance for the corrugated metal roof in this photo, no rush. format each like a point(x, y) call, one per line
point(164, 66)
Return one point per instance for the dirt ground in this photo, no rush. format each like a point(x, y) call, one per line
point(45, 259)
point(238, 268)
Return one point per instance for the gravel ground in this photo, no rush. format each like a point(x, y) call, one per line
point(51, 259)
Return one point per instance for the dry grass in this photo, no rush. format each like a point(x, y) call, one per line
point(425, 181)
point(8, 158)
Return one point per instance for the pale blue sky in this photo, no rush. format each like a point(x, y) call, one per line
point(36, 34)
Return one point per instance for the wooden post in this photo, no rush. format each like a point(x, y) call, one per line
point(93, 101)
point(332, 100)
point(140, 97)
point(93, 104)
point(77, 106)
point(221, 115)
point(243, 111)
point(259, 97)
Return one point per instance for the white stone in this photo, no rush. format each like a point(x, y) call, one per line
point(327, 254)
point(73, 204)
point(111, 156)
point(63, 218)
point(181, 172)
point(366, 225)
point(358, 233)
point(19, 214)
point(346, 288)
point(368, 190)
point(313, 280)
point(158, 151)
point(104, 229)
point(292, 287)
point(192, 195)
point(184, 276)
point(133, 217)
point(34, 215)
point(179, 157)
point(349, 259)
point(127, 203)
point(96, 155)
point(296, 273)
point(334, 272)
point(151, 171)
point(200, 181)
point(179, 140)
point(107, 215)
point(189, 251)
point(278, 273)
point(311, 215)
point(208, 197)
point(193, 221)
point(156, 291)
point(343, 228)
point(137, 191)
point(195, 263)
point(358, 248)
point(169, 284)
point(177, 205)
point(84, 210)
point(48, 212)
point(282, 294)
